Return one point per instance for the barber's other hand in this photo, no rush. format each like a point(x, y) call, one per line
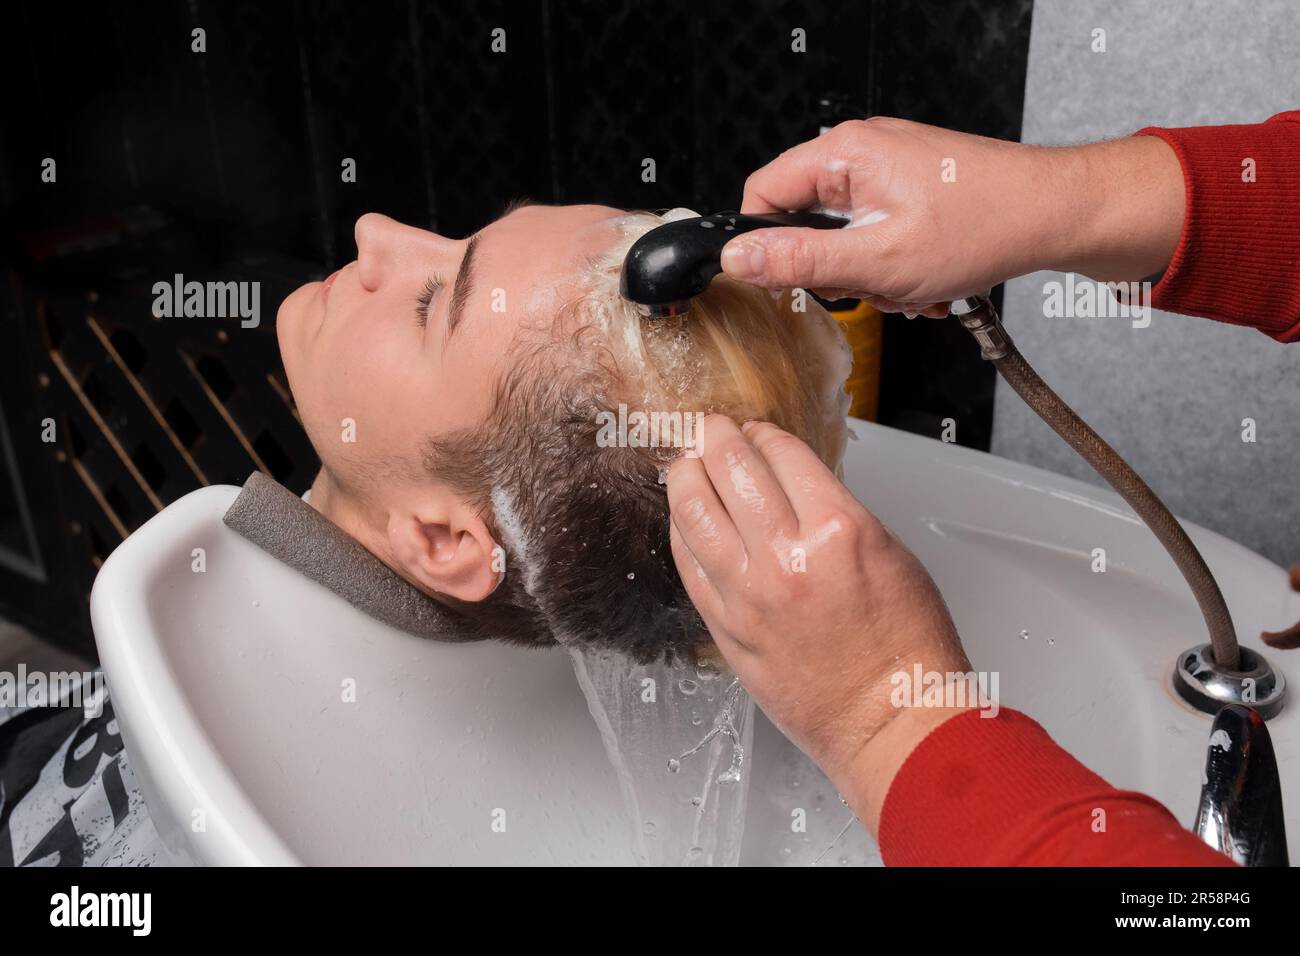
point(939, 215)
point(814, 604)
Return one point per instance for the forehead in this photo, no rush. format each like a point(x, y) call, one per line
point(533, 258)
point(527, 264)
point(549, 234)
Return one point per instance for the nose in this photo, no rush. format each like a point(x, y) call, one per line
point(387, 249)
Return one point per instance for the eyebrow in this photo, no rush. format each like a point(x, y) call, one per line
point(519, 202)
point(462, 288)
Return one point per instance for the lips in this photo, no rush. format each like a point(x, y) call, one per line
point(325, 286)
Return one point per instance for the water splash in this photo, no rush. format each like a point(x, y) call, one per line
point(724, 724)
point(688, 809)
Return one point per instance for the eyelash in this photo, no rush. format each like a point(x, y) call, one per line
point(431, 287)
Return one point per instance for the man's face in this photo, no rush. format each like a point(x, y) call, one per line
point(375, 373)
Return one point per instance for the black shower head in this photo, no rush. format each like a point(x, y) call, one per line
point(673, 263)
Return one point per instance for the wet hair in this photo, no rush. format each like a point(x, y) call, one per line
point(585, 524)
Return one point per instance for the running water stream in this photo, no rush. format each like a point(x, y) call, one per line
point(678, 736)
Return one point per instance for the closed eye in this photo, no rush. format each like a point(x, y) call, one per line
point(432, 285)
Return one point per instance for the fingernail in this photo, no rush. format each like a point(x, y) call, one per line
point(743, 260)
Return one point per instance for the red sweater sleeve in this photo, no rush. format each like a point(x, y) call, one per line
point(998, 791)
point(1238, 258)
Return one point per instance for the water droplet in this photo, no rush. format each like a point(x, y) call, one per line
point(1024, 635)
point(695, 852)
point(687, 686)
point(674, 765)
point(631, 575)
point(1051, 640)
point(705, 224)
point(649, 828)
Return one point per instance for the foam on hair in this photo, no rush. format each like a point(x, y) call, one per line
point(741, 351)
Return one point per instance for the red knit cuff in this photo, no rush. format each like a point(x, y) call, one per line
point(956, 790)
point(1238, 257)
point(981, 791)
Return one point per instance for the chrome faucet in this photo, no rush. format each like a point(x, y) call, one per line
point(1240, 812)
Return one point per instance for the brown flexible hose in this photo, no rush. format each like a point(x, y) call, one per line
point(1020, 375)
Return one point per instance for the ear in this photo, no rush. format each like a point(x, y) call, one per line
point(445, 546)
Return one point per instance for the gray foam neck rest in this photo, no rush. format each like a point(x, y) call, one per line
point(292, 531)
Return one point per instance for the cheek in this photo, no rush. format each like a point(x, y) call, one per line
point(370, 389)
point(345, 393)
point(361, 382)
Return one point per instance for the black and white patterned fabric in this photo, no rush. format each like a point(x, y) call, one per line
point(67, 793)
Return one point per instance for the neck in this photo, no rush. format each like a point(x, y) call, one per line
point(366, 524)
point(344, 510)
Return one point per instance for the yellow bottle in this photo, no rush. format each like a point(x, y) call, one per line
point(864, 327)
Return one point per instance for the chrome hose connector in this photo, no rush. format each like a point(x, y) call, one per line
point(980, 319)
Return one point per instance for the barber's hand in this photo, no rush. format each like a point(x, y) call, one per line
point(938, 215)
point(814, 604)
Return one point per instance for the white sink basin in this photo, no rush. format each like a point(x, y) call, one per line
point(228, 684)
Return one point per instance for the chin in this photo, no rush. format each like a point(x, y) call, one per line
point(289, 318)
point(289, 336)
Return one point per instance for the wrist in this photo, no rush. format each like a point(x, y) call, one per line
point(865, 783)
point(863, 776)
point(1052, 187)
